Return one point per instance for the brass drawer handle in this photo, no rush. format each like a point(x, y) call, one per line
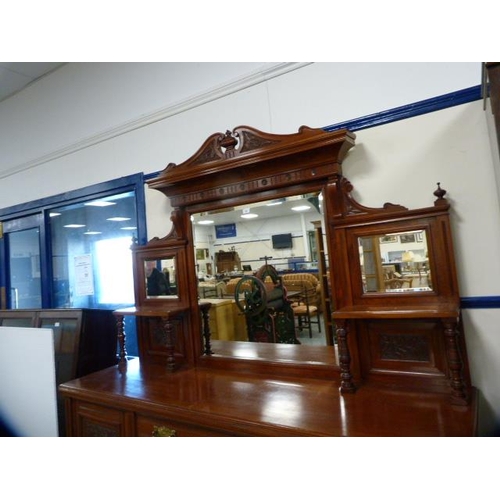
point(162, 431)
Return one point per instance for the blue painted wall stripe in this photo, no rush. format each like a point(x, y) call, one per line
point(487, 302)
point(410, 110)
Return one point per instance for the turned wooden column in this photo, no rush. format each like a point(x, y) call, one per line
point(120, 326)
point(459, 390)
point(205, 315)
point(346, 384)
point(169, 331)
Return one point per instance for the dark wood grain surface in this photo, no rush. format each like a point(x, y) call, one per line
point(228, 403)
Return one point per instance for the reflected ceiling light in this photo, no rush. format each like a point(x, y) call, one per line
point(275, 202)
point(72, 226)
point(99, 203)
point(54, 214)
point(129, 228)
point(246, 214)
point(301, 208)
point(205, 222)
point(118, 219)
point(92, 232)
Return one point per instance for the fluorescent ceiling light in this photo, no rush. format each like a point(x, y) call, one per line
point(273, 203)
point(128, 228)
point(92, 232)
point(205, 222)
point(118, 219)
point(99, 203)
point(249, 216)
point(54, 214)
point(74, 225)
point(301, 208)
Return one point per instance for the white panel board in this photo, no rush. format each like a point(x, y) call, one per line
point(28, 401)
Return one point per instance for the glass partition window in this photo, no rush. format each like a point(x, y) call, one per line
point(91, 255)
point(24, 269)
point(394, 263)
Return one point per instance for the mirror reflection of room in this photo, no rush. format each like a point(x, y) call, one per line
point(396, 262)
point(160, 278)
point(233, 244)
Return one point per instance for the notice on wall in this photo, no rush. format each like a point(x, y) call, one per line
point(84, 275)
point(225, 231)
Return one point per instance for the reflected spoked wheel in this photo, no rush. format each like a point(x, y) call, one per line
point(250, 296)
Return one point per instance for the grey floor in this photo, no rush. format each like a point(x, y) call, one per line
point(318, 338)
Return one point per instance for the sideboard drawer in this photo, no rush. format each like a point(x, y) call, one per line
point(100, 421)
point(147, 425)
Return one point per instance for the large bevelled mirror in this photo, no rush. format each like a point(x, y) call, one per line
point(234, 243)
point(395, 263)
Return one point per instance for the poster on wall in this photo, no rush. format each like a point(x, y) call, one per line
point(84, 275)
point(225, 231)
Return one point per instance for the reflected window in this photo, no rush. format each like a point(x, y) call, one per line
point(393, 263)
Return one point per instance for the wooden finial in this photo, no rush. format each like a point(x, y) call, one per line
point(439, 194)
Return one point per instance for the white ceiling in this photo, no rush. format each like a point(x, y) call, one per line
point(263, 209)
point(15, 76)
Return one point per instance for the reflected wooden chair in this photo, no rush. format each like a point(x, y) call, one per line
point(305, 295)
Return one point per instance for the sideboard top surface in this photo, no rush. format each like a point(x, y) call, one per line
point(251, 405)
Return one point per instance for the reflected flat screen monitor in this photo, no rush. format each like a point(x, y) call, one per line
point(282, 240)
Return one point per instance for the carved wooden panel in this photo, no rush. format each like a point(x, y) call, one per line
point(404, 347)
point(153, 341)
point(411, 347)
point(96, 421)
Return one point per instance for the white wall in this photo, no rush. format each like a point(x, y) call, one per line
point(91, 122)
point(253, 239)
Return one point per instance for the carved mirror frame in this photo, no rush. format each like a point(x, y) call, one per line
point(245, 166)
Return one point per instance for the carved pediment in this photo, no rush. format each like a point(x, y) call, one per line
point(246, 159)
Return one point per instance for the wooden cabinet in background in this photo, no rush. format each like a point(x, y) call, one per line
point(226, 262)
point(84, 339)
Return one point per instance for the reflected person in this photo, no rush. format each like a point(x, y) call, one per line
point(156, 281)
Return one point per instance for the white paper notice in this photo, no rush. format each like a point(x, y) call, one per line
point(84, 276)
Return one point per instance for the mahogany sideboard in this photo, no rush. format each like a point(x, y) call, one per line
point(133, 399)
point(397, 367)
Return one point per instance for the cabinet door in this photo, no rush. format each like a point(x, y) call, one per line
point(22, 319)
point(66, 326)
point(91, 420)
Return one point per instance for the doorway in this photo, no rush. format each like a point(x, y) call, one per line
point(23, 249)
